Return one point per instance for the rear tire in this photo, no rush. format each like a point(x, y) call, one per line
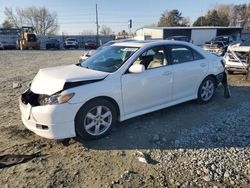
point(95, 119)
point(206, 90)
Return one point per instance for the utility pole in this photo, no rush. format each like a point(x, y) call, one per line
point(201, 16)
point(97, 26)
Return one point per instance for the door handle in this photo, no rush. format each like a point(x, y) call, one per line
point(203, 64)
point(167, 73)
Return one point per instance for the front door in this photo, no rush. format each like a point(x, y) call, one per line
point(150, 88)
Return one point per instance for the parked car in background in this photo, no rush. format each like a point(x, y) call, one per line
point(119, 82)
point(71, 43)
point(90, 44)
point(218, 45)
point(7, 45)
point(1, 46)
point(236, 57)
point(52, 44)
point(179, 38)
point(89, 53)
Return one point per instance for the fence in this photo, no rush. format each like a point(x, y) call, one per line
point(61, 38)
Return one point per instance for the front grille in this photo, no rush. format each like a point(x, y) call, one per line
point(30, 97)
point(33, 99)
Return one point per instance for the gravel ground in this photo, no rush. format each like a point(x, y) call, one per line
point(188, 145)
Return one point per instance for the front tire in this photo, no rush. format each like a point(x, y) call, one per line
point(206, 90)
point(95, 119)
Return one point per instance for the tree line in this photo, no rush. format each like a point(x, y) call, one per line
point(45, 22)
point(220, 15)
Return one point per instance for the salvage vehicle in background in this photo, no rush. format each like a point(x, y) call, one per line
point(119, 82)
point(90, 44)
point(218, 45)
point(28, 39)
point(236, 58)
point(52, 44)
point(7, 45)
point(71, 43)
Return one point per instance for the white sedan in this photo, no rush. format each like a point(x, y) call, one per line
point(119, 82)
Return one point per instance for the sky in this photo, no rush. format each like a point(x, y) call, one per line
point(77, 16)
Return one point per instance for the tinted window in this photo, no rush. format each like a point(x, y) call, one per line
point(182, 54)
point(197, 56)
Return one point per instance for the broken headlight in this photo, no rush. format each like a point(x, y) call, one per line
point(57, 98)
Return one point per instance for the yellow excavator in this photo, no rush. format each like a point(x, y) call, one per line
point(28, 39)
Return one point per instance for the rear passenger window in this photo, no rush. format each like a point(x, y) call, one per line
point(182, 54)
point(197, 56)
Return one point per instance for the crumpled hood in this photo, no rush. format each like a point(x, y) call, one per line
point(51, 80)
point(239, 48)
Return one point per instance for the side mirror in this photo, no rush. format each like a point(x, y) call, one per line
point(136, 68)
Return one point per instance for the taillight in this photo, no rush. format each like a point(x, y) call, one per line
point(223, 62)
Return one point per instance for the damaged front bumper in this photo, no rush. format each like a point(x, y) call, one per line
point(236, 61)
point(49, 121)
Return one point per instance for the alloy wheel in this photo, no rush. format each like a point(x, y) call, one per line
point(207, 90)
point(98, 120)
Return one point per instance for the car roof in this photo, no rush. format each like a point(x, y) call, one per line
point(149, 43)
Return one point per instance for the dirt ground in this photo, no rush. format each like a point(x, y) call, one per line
point(188, 145)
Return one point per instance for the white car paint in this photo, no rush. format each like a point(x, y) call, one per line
point(57, 76)
point(233, 62)
point(134, 93)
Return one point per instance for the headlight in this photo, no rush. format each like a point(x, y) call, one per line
point(58, 98)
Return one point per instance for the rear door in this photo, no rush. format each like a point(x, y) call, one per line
point(189, 68)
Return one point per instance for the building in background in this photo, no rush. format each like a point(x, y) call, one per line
point(197, 35)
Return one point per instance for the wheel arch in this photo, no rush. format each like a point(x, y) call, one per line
point(214, 78)
point(208, 76)
point(111, 100)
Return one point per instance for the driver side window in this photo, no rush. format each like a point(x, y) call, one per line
point(152, 58)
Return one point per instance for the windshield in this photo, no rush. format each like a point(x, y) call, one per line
point(71, 40)
point(245, 42)
point(105, 45)
point(222, 39)
point(109, 59)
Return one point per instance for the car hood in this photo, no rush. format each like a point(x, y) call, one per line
point(213, 44)
point(51, 80)
point(239, 48)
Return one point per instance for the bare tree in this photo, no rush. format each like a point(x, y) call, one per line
point(40, 19)
point(6, 24)
point(105, 30)
point(87, 32)
point(186, 22)
point(241, 16)
point(16, 19)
